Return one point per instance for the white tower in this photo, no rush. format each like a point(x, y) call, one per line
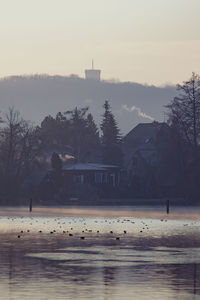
point(93, 74)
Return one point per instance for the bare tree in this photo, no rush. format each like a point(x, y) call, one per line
point(184, 111)
point(184, 116)
point(16, 147)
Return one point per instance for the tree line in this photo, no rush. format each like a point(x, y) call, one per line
point(21, 143)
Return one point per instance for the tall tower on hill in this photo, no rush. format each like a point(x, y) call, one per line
point(93, 74)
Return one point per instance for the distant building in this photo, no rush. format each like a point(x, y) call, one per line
point(141, 143)
point(93, 74)
point(92, 173)
point(150, 160)
point(81, 181)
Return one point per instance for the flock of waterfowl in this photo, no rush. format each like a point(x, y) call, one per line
point(81, 228)
point(85, 228)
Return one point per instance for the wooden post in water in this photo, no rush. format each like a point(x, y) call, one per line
point(167, 206)
point(30, 205)
point(195, 278)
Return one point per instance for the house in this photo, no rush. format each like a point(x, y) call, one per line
point(92, 173)
point(82, 181)
point(149, 159)
point(141, 142)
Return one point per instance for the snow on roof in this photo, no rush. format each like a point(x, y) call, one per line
point(89, 167)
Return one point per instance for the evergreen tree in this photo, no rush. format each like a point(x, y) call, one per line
point(92, 130)
point(47, 130)
point(56, 162)
point(110, 130)
point(84, 136)
point(53, 131)
point(110, 139)
point(78, 131)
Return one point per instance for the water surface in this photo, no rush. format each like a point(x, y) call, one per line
point(99, 253)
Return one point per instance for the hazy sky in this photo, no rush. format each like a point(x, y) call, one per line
point(147, 41)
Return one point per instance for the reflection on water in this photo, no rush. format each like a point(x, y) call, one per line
point(152, 259)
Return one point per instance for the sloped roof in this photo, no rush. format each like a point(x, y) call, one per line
point(144, 131)
point(89, 167)
point(141, 138)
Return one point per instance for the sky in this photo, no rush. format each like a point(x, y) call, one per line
point(145, 41)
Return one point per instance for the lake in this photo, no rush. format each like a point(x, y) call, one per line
point(100, 253)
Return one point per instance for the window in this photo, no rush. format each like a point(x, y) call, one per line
point(101, 177)
point(78, 178)
point(112, 177)
point(98, 177)
point(105, 178)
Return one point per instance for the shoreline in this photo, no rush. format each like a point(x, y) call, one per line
point(139, 212)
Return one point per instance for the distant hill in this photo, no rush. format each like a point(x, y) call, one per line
point(39, 95)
